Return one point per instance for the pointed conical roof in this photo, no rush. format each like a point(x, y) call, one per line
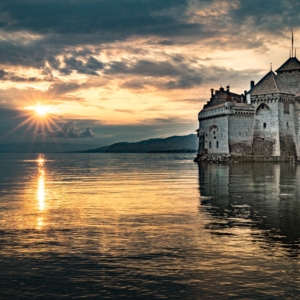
point(291, 64)
point(270, 84)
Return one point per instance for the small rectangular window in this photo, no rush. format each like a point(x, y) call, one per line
point(286, 108)
point(287, 124)
point(209, 145)
point(265, 125)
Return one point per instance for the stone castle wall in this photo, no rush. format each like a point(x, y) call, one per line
point(266, 126)
point(215, 133)
point(297, 125)
point(241, 133)
point(273, 130)
point(287, 132)
point(291, 79)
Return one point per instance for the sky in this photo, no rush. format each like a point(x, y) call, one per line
point(102, 71)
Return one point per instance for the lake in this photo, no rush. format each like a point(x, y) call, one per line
point(147, 226)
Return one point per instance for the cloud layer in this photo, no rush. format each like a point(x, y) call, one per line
point(132, 62)
point(70, 130)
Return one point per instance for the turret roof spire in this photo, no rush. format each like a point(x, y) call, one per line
point(292, 42)
point(290, 65)
point(270, 84)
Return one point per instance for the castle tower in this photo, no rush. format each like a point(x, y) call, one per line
point(225, 124)
point(289, 72)
point(264, 123)
point(274, 128)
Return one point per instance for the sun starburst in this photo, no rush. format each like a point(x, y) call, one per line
point(41, 110)
point(39, 120)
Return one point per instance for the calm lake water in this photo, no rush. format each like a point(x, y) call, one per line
point(147, 226)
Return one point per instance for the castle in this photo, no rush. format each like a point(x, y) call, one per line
point(260, 124)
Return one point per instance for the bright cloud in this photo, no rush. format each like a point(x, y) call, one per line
point(134, 63)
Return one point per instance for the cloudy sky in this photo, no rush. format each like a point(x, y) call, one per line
point(126, 70)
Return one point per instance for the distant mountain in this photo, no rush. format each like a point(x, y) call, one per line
point(187, 143)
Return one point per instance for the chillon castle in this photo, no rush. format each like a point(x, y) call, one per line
point(261, 124)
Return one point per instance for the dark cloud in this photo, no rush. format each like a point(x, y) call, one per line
point(176, 74)
point(166, 43)
point(183, 76)
point(52, 28)
point(133, 84)
point(94, 64)
point(46, 29)
point(12, 77)
point(83, 68)
point(267, 15)
point(63, 88)
point(2, 74)
point(115, 18)
point(70, 130)
point(146, 68)
point(184, 82)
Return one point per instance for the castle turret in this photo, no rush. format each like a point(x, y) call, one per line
point(289, 74)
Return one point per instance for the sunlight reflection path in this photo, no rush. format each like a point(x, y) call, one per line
point(41, 190)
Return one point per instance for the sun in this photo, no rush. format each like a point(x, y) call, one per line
point(41, 110)
point(39, 119)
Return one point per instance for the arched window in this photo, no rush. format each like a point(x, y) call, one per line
point(262, 109)
point(217, 144)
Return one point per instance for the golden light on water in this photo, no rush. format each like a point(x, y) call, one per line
point(41, 192)
point(41, 161)
point(41, 184)
point(40, 222)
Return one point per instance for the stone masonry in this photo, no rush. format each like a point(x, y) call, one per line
point(261, 124)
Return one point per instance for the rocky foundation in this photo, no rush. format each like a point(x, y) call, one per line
point(225, 159)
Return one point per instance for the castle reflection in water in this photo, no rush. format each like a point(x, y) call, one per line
point(263, 197)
